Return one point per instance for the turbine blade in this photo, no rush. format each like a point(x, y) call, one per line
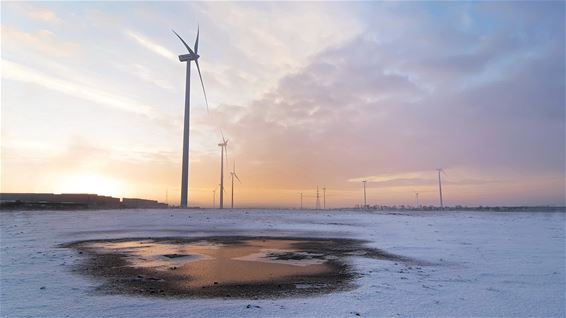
point(202, 83)
point(235, 175)
point(196, 41)
point(226, 150)
point(184, 43)
point(221, 133)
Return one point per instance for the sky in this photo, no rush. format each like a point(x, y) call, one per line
point(309, 94)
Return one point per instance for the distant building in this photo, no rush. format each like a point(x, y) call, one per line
point(71, 201)
point(133, 203)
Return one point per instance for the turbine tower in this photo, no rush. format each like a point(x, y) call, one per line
point(223, 150)
point(440, 187)
point(234, 175)
point(192, 56)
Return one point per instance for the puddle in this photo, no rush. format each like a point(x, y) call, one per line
point(224, 266)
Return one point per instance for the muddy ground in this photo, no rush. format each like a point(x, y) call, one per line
point(119, 276)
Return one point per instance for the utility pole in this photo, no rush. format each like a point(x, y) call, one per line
point(317, 199)
point(440, 189)
point(222, 175)
point(232, 203)
point(365, 201)
point(417, 195)
point(324, 197)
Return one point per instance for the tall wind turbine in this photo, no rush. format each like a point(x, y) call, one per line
point(223, 150)
point(234, 175)
point(192, 56)
point(440, 187)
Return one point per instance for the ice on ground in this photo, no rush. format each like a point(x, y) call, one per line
point(483, 264)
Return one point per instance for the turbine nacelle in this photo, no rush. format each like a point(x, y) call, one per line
point(193, 56)
point(188, 57)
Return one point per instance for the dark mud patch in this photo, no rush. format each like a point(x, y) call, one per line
point(224, 266)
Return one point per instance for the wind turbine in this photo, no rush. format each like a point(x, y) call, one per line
point(192, 56)
point(234, 175)
point(440, 187)
point(223, 146)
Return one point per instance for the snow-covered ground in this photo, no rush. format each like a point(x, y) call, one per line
point(485, 264)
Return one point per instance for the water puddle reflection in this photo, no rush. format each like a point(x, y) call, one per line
point(224, 266)
point(205, 263)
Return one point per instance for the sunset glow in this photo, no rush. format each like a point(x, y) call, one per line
point(309, 94)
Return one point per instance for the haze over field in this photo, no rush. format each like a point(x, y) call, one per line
point(308, 94)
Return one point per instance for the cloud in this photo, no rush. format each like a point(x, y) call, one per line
point(146, 74)
point(371, 110)
point(259, 43)
point(42, 14)
point(42, 41)
point(151, 45)
point(18, 72)
point(423, 178)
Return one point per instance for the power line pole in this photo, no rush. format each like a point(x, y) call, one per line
point(417, 195)
point(440, 189)
point(365, 201)
point(232, 203)
point(222, 175)
point(317, 199)
point(324, 197)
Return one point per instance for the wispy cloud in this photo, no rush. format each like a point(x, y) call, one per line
point(18, 72)
point(151, 45)
point(146, 74)
point(42, 41)
point(42, 14)
point(420, 178)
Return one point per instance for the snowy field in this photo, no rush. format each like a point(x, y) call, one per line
point(484, 264)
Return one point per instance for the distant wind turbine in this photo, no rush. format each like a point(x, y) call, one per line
point(234, 175)
point(224, 151)
point(440, 187)
point(192, 56)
